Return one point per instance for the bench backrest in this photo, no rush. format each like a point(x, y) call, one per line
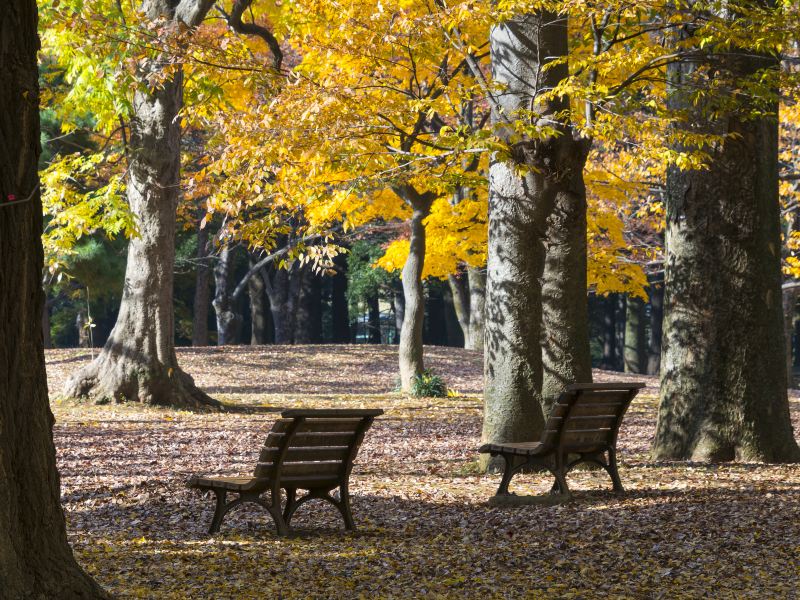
point(307, 446)
point(587, 416)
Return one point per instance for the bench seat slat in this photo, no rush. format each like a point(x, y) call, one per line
point(306, 453)
point(319, 425)
point(333, 438)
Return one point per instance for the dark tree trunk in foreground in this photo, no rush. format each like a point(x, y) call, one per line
point(410, 351)
point(35, 558)
point(634, 353)
point(566, 355)
point(202, 295)
point(259, 307)
point(723, 373)
point(138, 361)
point(656, 293)
point(519, 207)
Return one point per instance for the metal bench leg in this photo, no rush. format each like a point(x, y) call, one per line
point(274, 508)
point(560, 473)
point(613, 471)
point(508, 473)
point(219, 511)
point(344, 507)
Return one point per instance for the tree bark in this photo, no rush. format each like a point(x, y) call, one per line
point(138, 361)
point(609, 359)
point(283, 287)
point(228, 320)
point(477, 308)
point(635, 346)
point(410, 350)
point(459, 294)
point(656, 293)
point(523, 192)
point(340, 313)
point(35, 558)
point(373, 319)
point(399, 311)
point(258, 307)
point(789, 310)
point(308, 323)
point(453, 330)
point(723, 377)
point(201, 288)
point(566, 356)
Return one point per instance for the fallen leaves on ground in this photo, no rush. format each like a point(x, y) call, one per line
point(424, 529)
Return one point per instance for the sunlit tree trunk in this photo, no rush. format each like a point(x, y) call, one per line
point(410, 351)
point(35, 558)
point(523, 192)
point(138, 361)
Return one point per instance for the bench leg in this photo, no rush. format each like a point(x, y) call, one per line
point(508, 473)
point(613, 471)
point(344, 507)
point(560, 473)
point(274, 509)
point(219, 511)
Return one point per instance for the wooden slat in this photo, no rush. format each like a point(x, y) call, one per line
point(636, 385)
point(334, 438)
point(337, 413)
point(600, 397)
point(605, 422)
point(306, 453)
point(319, 469)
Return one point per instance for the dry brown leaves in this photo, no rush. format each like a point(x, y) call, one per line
point(424, 529)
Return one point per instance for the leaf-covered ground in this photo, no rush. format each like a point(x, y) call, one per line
point(424, 527)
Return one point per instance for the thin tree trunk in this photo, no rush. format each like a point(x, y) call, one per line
point(723, 377)
point(523, 192)
point(202, 295)
point(635, 346)
point(283, 288)
point(459, 295)
point(656, 293)
point(340, 313)
point(410, 351)
point(399, 311)
point(258, 307)
point(566, 356)
point(308, 323)
point(373, 319)
point(228, 320)
point(138, 361)
point(609, 360)
point(35, 558)
point(477, 308)
point(453, 330)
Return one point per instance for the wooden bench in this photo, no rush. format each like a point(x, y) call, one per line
point(582, 426)
point(309, 450)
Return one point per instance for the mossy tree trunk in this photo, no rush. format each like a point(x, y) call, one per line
point(524, 189)
point(35, 558)
point(138, 361)
point(723, 370)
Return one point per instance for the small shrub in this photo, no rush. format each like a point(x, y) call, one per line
point(428, 385)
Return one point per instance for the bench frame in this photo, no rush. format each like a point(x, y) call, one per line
point(252, 489)
point(553, 454)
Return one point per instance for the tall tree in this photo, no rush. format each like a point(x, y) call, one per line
point(634, 352)
point(138, 361)
point(35, 558)
point(524, 186)
point(723, 373)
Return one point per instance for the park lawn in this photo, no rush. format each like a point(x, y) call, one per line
point(424, 528)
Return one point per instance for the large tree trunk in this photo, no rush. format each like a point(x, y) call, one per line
point(566, 355)
point(723, 375)
point(202, 295)
point(259, 307)
point(522, 195)
point(635, 347)
point(656, 293)
point(228, 319)
point(138, 361)
point(410, 350)
point(35, 558)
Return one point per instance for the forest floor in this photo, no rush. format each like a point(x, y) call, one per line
point(682, 530)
